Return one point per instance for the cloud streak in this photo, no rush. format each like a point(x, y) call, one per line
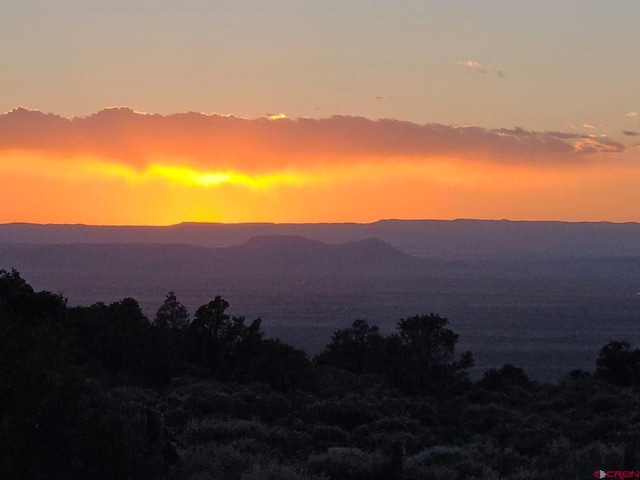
point(480, 68)
point(222, 143)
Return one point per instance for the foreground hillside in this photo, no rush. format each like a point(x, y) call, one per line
point(102, 392)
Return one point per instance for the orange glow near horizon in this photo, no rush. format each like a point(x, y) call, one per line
point(41, 188)
point(193, 177)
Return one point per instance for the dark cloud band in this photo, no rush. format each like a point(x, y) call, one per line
point(218, 141)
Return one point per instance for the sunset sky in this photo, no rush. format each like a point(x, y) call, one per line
point(158, 112)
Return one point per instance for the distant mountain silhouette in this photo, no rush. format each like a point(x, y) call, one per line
point(435, 239)
point(286, 254)
point(260, 255)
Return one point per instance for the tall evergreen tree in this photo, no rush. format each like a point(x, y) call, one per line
point(172, 313)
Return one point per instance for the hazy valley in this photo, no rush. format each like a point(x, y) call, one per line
point(543, 296)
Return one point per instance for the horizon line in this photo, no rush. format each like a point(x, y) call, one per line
point(381, 220)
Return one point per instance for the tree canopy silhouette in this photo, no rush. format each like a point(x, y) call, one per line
point(172, 313)
point(212, 318)
point(358, 349)
point(421, 356)
point(618, 364)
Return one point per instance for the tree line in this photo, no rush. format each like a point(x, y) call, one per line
point(61, 365)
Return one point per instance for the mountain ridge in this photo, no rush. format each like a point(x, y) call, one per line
point(461, 239)
point(260, 254)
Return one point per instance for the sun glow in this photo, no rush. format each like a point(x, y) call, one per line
point(85, 168)
point(189, 176)
point(51, 187)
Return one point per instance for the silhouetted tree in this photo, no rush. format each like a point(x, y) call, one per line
point(19, 300)
point(427, 340)
point(421, 356)
point(238, 349)
point(618, 364)
point(212, 318)
point(358, 349)
point(505, 377)
point(224, 343)
point(14, 291)
point(171, 314)
point(114, 337)
point(49, 428)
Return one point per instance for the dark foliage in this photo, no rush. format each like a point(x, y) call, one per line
point(49, 429)
point(506, 377)
point(171, 314)
point(100, 392)
point(420, 358)
point(358, 349)
point(618, 364)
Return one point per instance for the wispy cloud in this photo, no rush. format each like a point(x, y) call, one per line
point(564, 135)
point(630, 133)
point(589, 126)
point(632, 114)
point(592, 145)
point(518, 131)
point(478, 67)
point(481, 68)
